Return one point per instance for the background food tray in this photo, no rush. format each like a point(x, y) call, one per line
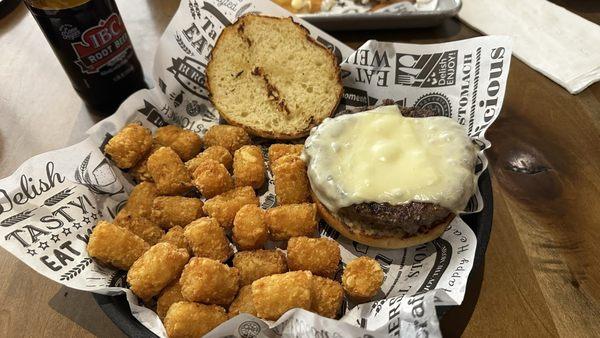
point(359, 21)
point(117, 308)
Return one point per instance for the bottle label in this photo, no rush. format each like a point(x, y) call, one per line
point(102, 45)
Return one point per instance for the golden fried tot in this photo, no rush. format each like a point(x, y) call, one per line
point(225, 206)
point(141, 199)
point(249, 228)
point(231, 138)
point(362, 278)
point(320, 256)
point(176, 237)
point(192, 320)
point(291, 220)
point(327, 296)
point(115, 246)
point(216, 153)
point(185, 143)
point(156, 269)
point(168, 172)
point(140, 171)
point(242, 303)
point(205, 280)
point(257, 264)
point(207, 239)
point(211, 178)
point(276, 294)
point(291, 181)
point(279, 150)
point(168, 296)
point(141, 226)
point(249, 167)
point(129, 146)
point(170, 211)
point(167, 134)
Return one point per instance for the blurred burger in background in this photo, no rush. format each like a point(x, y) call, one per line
point(313, 6)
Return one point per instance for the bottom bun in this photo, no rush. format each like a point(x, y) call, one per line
point(385, 242)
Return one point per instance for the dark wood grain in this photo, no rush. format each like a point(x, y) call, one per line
point(542, 271)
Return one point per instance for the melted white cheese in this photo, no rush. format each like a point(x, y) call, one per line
point(326, 5)
point(300, 4)
point(381, 156)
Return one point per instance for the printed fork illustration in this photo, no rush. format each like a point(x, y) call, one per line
point(406, 79)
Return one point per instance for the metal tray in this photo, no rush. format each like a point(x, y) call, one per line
point(117, 308)
point(359, 21)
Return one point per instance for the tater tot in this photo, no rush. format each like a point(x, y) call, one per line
point(129, 146)
point(279, 150)
point(231, 138)
point(192, 320)
point(249, 228)
point(211, 178)
point(216, 153)
point(224, 207)
point(207, 239)
point(155, 269)
point(140, 171)
point(169, 295)
point(362, 278)
point(291, 181)
point(242, 303)
point(249, 167)
point(167, 134)
point(207, 281)
point(327, 296)
point(276, 294)
point(257, 264)
point(176, 237)
point(185, 143)
point(291, 220)
point(141, 199)
point(320, 256)
point(141, 226)
point(115, 246)
point(170, 211)
point(169, 172)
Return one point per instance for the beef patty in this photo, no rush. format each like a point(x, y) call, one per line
point(413, 217)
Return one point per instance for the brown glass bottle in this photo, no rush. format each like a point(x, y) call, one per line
point(92, 44)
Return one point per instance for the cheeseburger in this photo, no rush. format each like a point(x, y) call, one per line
point(390, 177)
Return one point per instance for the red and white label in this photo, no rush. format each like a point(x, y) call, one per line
point(99, 45)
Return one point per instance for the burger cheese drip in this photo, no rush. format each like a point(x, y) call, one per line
point(381, 156)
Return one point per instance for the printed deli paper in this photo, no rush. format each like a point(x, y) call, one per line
point(49, 206)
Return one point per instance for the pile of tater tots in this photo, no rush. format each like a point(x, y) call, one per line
point(172, 235)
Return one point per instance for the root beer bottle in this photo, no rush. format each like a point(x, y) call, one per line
point(91, 42)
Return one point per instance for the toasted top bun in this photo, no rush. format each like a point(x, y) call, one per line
point(270, 77)
point(383, 241)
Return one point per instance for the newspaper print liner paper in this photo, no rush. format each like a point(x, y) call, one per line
point(49, 206)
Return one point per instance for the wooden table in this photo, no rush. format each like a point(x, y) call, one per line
point(542, 271)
